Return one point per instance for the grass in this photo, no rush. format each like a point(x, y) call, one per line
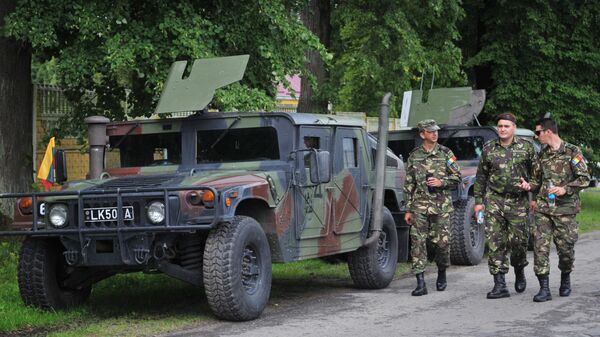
point(148, 304)
point(589, 217)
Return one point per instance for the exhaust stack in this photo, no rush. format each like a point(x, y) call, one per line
point(97, 141)
point(376, 220)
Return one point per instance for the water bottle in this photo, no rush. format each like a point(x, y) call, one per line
point(430, 189)
point(480, 217)
point(551, 197)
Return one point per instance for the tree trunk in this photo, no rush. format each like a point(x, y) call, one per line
point(317, 18)
point(16, 123)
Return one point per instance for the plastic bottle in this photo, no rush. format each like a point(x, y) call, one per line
point(551, 197)
point(480, 217)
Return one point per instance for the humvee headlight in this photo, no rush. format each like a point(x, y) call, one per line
point(156, 212)
point(58, 215)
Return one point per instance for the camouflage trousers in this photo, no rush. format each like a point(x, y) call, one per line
point(435, 228)
point(563, 229)
point(506, 233)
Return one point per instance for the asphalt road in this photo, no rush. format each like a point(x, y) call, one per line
point(461, 310)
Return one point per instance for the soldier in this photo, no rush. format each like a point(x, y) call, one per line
point(504, 164)
point(558, 175)
point(431, 173)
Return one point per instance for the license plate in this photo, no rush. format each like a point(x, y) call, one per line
point(106, 214)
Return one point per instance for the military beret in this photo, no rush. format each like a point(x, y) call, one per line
point(428, 125)
point(506, 116)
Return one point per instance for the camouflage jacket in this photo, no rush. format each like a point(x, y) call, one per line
point(565, 167)
point(501, 168)
point(441, 163)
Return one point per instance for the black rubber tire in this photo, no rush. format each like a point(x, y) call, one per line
point(41, 267)
point(232, 294)
point(374, 267)
point(467, 238)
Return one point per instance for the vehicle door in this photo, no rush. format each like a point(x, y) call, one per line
point(350, 179)
point(311, 198)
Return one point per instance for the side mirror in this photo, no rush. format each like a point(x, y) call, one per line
point(320, 167)
point(60, 162)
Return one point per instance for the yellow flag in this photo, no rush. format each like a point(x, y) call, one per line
point(46, 171)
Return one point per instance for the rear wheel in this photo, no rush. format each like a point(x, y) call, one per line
point(237, 269)
point(42, 271)
point(374, 267)
point(467, 238)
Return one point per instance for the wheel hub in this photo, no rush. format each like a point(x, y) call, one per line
point(250, 269)
point(383, 249)
point(475, 232)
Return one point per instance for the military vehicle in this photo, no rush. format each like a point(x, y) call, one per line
point(453, 109)
point(213, 199)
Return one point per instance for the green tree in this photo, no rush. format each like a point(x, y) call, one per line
point(110, 48)
point(536, 57)
point(387, 45)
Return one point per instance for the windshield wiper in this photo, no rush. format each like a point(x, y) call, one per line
point(224, 133)
point(124, 136)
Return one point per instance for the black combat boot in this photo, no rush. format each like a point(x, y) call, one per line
point(441, 283)
point(499, 290)
point(544, 294)
point(520, 282)
point(565, 284)
point(421, 288)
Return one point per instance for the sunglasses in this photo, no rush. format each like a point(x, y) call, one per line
point(537, 132)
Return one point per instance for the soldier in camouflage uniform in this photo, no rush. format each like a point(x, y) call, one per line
point(431, 173)
point(504, 164)
point(560, 170)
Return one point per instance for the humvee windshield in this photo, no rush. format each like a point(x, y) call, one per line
point(464, 148)
point(244, 144)
point(144, 150)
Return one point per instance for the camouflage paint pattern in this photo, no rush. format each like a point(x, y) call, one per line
point(301, 219)
point(506, 205)
point(565, 167)
point(562, 229)
point(431, 210)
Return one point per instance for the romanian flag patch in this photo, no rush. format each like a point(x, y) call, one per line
point(578, 160)
point(452, 164)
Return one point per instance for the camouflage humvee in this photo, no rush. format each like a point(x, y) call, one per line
point(454, 108)
point(213, 199)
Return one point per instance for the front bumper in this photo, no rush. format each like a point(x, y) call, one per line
point(133, 242)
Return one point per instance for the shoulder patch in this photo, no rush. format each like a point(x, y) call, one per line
point(451, 162)
point(578, 161)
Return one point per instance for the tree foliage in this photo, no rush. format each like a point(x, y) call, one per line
point(388, 45)
point(540, 56)
point(111, 48)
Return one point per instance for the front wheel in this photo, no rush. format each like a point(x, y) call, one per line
point(42, 271)
point(237, 269)
point(374, 267)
